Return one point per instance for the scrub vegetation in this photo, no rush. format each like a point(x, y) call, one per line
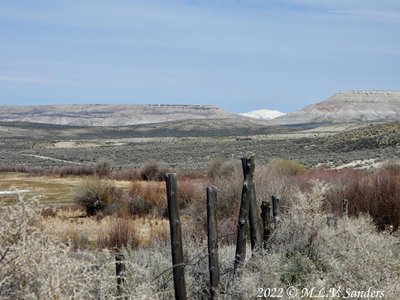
point(69, 251)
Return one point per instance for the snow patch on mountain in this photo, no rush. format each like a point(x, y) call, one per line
point(264, 114)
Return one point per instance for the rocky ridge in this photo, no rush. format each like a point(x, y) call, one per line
point(109, 115)
point(348, 107)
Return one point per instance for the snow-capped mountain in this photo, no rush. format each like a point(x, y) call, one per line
point(264, 114)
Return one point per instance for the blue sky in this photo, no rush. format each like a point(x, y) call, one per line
point(239, 55)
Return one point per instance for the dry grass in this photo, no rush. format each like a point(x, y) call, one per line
point(147, 197)
point(121, 233)
point(92, 233)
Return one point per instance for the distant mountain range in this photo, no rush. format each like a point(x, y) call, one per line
point(343, 107)
point(348, 107)
point(109, 115)
point(263, 114)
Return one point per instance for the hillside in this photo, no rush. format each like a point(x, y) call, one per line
point(348, 107)
point(180, 128)
point(109, 115)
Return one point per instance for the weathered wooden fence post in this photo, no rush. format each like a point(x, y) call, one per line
point(266, 218)
point(345, 208)
point(276, 208)
point(240, 254)
point(176, 238)
point(120, 274)
point(212, 227)
point(248, 173)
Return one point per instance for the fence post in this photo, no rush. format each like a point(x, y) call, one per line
point(240, 254)
point(176, 238)
point(120, 273)
point(345, 208)
point(248, 172)
point(212, 227)
point(266, 218)
point(276, 208)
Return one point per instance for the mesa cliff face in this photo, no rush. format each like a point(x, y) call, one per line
point(109, 115)
point(344, 107)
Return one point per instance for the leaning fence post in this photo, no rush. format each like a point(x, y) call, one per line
point(240, 254)
point(266, 218)
point(120, 273)
point(345, 208)
point(276, 208)
point(212, 227)
point(176, 238)
point(248, 172)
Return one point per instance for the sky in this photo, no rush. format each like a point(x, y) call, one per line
point(239, 55)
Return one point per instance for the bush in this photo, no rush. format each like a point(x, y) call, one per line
point(94, 195)
point(36, 266)
point(227, 178)
point(306, 252)
point(147, 197)
point(286, 167)
point(103, 168)
point(190, 191)
point(369, 192)
point(14, 168)
point(152, 170)
point(376, 194)
point(220, 167)
point(75, 170)
point(130, 174)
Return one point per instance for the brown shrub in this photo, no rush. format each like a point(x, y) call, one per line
point(103, 168)
point(377, 194)
point(192, 175)
point(14, 168)
point(74, 170)
point(48, 212)
point(147, 197)
point(131, 174)
point(77, 240)
point(373, 192)
point(336, 177)
point(220, 167)
point(227, 177)
point(121, 234)
point(152, 170)
point(190, 191)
